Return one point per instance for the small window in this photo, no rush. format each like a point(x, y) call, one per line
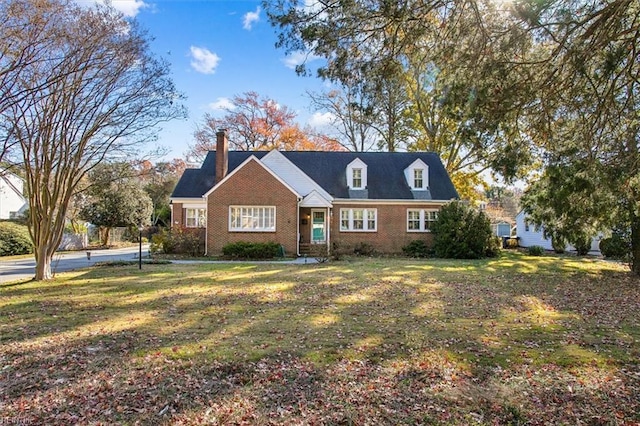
point(196, 218)
point(358, 220)
point(417, 175)
point(421, 220)
point(413, 220)
point(344, 219)
point(356, 174)
point(418, 178)
point(357, 178)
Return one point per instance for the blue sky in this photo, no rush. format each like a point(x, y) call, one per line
point(218, 49)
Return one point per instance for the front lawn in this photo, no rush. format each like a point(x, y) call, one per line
point(518, 340)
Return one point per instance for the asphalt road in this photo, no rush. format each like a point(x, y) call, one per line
point(22, 269)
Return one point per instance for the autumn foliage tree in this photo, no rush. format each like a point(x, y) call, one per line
point(256, 123)
point(83, 88)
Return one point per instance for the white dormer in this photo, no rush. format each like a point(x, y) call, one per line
point(417, 175)
point(357, 174)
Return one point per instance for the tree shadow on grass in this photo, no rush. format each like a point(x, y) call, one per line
point(379, 341)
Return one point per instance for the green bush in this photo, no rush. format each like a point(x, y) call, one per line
point(363, 249)
point(494, 247)
point(582, 245)
point(178, 241)
point(14, 239)
point(339, 250)
point(617, 246)
point(558, 243)
point(416, 248)
point(535, 251)
point(461, 233)
point(246, 250)
point(512, 243)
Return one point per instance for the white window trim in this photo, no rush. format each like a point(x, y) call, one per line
point(421, 179)
point(232, 229)
point(365, 220)
point(196, 217)
point(357, 164)
point(423, 213)
point(409, 174)
point(353, 178)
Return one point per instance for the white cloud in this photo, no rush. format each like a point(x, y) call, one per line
point(298, 58)
point(321, 119)
point(250, 18)
point(222, 104)
point(203, 60)
point(128, 8)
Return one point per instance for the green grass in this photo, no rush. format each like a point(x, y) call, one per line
point(514, 340)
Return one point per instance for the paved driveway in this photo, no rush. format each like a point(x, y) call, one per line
point(20, 269)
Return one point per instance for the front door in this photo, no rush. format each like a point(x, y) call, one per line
point(318, 226)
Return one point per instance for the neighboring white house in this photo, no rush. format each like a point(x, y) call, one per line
point(12, 202)
point(532, 235)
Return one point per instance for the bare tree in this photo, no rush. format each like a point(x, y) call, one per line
point(89, 91)
point(351, 116)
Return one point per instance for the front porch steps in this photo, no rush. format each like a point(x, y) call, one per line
point(312, 249)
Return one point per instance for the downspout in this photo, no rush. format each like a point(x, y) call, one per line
point(298, 229)
point(329, 230)
point(206, 228)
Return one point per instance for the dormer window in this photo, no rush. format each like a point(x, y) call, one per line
point(417, 178)
point(357, 178)
point(357, 174)
point(417, 175)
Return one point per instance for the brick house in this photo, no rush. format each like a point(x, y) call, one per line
point(303, 198)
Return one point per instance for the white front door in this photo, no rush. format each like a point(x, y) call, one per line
point(318, 226)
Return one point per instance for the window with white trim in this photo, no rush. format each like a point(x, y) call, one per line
point(417, 175)
point(358, 220)
point(252, 218)
point(357, 178)
point(418, 181)
point(421, 220)
point(196, 218)
point(356, 174)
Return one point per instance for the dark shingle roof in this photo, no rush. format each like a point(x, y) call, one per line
point(194, 183)
point(385, 172)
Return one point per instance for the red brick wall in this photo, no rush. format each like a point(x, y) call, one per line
point(251, 186)
point(177, 215)
point(391, 234)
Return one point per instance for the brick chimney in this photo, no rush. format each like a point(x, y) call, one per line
point(222, 154)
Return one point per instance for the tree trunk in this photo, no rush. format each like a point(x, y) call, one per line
point(635, 244)
point(43, 264)
point(105, 233)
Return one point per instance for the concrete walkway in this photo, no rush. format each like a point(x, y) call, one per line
point(297, 261)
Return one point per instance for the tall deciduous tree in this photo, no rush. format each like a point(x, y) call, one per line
point(257, 123)
point(350, 116)
point(89, 90)
point(440, 73)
